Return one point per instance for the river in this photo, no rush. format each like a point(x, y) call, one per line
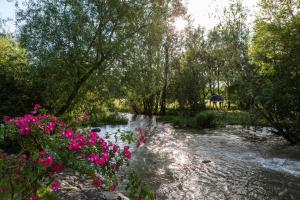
point(224, 163)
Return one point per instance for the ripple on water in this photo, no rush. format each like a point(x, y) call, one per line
point(245, 163)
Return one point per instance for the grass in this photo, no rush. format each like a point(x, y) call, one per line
point(204, 119)
point(209, 119)
point(46, 194)
point(233, 118)
point(108, 118)
point(121, 105)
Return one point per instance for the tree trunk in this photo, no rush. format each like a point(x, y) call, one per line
point(77, 87)
point(218, 75)
point(166, 72)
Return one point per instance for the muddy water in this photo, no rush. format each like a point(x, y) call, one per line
point(224, 163)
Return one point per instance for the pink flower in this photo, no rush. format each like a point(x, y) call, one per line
point(127, 153)
point(113, 188)
point(33, 112)
point(6, 118)
point(50, 128)
point(103, 160)
point(115, 148)
point(81, 140)
point(104, 145)
point(46, 162)
point(92, 140)
point(37, 106)
point(2, 190)
point(97, 182)
point(83, 155)
point(42, 153)
point(55, 185)
point(25, 131)
point(33, 120)
point(68, 134)
point(93, 134)
point(141, 138)
point(74, 146)
point(140, 197)
point(42, 117)
point(58, 167)
point(34, 198)
point(93, 158)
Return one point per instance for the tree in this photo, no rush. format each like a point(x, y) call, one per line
point(142, 69)
point(232, 50)
point(71, 41)
point(275, 52)
point(16, 89)
point(174, 9)
point(188, 75)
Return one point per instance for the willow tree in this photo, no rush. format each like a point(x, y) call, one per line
point(70, 41)
point(140, 67)
point(173, 10)
point(189, 72)
point(232, 50)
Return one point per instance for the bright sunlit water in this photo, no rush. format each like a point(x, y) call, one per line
point(244, 163)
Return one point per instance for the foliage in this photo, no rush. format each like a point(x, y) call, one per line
point(48, 146)
point(16, 90)
point(274, 52)
point(210, 119)
point(76, 44)
point(237, 118)
point(108, 118)
point(83, 55)
point(147, 65)
point(204, 119)
point(188, 81)
point(137, 188)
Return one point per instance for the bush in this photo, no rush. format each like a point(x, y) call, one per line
point(236, 118)
point(48, 146)
point(109, 118)
point(205, 119)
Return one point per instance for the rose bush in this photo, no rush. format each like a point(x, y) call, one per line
point(47, 146)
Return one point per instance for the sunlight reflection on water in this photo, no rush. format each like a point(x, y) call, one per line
point(242, 163)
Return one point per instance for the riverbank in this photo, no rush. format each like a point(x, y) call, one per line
point(75, 187)
point(210, 119)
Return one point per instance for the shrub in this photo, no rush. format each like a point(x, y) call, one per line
point(48, 146)
point(205, 119)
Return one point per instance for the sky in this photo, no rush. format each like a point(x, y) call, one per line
point(202, 12)
point(206, 12)
point(7, 10)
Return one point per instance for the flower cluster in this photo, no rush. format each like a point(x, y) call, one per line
point(46, 123)
point(46, 159)
point(53, 147)
point(141, 137)
point(55, 185)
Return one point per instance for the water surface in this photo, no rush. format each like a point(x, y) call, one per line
point(225, 163)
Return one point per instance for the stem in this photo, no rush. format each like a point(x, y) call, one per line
point(12, 189)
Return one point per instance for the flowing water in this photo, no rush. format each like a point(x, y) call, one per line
point(223, 163)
